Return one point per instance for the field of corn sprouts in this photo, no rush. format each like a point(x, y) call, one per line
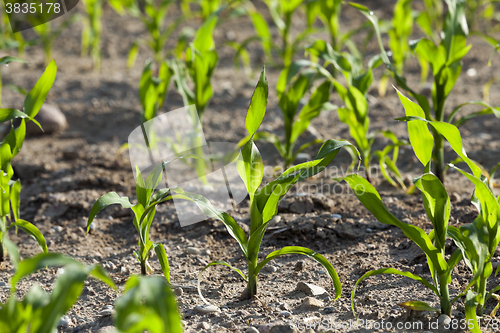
point(310, 78)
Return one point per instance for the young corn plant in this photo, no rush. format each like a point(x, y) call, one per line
point(10, 196)
point(294, 83)
point(264, 201)
point(355, 112)
point(478, 242)
point(92, 30)
point(148, 197)
point(282, 13)
point(147, 303)
point(38, 311)
point(445, 60)
point(197, 65)
point(8, 39)
point(437, 206)
point(153, 15)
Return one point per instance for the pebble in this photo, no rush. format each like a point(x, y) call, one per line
point(337, 216)
point(310, 289)
point(64, 322)
point(208, 308)
point(283, 329)
point(275, 220)
point(107, 311)
point(311, 304)
point(252, 329)
point(329, 309)
point(368, 230)
point(407, 220)
point(50, 118)
point(444, 320)
point(58, 228)
point(124, 270)
point(193, 251)
point(285, 314)
point(270, 269)
point(178, 291)
point(320, 233)
point(204, 325)
point(107, 329)
point(2, 284)
point(299, 265)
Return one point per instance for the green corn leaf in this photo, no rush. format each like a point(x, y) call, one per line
point(258, 105)
point(213, 263)
point(132, 55)
point(262, 30)
point(106, 200)
point(268, 197)
point(316, 104)
point(421, 138)
point(15, 198)
point(437, 205)
point(418, 306)
point(147, 304)
point(9, 114)
point(31, 230)
point(12, 250)
point(310, 253)
point(489, 208)
point(390, 271)
point(162, 257)
point(250, 167)
point(370, 198)
point(39, 92)
point(470, 311)
point(8, 59)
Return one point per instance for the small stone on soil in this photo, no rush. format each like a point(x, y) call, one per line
point(285, 314)
point(64, 322)
point(299, 265)
point(444, 320)
point(252, 329)
point(204, 326)
point(311, 304)
point(193, 251)
point(209, 308)
point(310, 289)
point(282, 329)
point(178, 291)
point(270, 269)
point(107, 311)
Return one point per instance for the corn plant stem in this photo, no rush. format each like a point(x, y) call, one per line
point(445, 295)
point(439, 167)
point(366, 162)
point(2, 253)
point(144, 270)
point(287, 54)
point(252, 279)
point(481, 291)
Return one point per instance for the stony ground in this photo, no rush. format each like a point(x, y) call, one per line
point(64, 173)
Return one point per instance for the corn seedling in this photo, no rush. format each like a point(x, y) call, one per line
point(8, 39)
point(355, 111)
point(153, 90)
point(38, 311)
point(147, 304)
point(198, 65)
point(445, 60)
point(478, 242)
point(282, 13)
point(293, 84)
point(47, 35)
point(92, 29)
point(153, 16)
point(264, 201)
point(144, 212)
point(436, 203)
point(10, 197)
